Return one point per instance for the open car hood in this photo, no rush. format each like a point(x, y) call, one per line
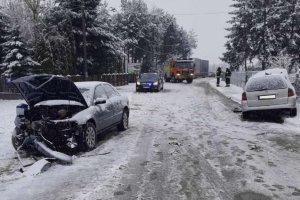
point(38, 88)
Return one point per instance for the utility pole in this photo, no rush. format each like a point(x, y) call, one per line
point(265, 4)
point(84, 40)
point(245, 43)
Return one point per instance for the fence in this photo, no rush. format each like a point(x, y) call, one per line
point(239, 78)
point(114, 79)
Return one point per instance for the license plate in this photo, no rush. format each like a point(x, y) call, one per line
point(267, 97)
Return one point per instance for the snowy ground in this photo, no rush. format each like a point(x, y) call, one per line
point(183, 143)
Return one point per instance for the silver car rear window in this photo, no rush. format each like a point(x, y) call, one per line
point(265, 83)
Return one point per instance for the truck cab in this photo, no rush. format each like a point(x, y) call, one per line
point(180, 70)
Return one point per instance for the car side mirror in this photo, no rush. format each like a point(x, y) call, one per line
point(100, 101)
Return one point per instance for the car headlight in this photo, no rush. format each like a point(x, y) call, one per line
point(155, 83)
point(192, 74)
point(138, 83)
point(177, 74)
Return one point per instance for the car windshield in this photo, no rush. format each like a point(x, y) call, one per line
point(265, 83)
point(184, 64)
point(149, 77)
point(87, 94)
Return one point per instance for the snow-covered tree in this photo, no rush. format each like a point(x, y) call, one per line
point(263, 30)
point(239, 46)
point(17, 61)
point(148, 36)
point(3, 32)
point(286, 28)
point(281, 61)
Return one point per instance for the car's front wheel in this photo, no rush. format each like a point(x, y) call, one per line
point(89, 139)
point(190, 80)
point(124, 121)
point(293, 112)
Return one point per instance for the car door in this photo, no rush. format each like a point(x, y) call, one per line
point(104, 112)
point(116, 104)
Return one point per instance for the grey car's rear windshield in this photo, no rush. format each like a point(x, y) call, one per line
point(265, 83)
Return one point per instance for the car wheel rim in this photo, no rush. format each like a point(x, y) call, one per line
point(125, 120)
point(90, 137)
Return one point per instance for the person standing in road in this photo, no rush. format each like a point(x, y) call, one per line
point(218, 73)
point(227, 76)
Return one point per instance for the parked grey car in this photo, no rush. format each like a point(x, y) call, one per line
point(63, 115)
point(269, 90)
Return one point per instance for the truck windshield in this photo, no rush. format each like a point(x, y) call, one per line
point(184, 64)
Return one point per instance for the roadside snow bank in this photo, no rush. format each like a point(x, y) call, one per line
point(233, 92)
point(8, 113)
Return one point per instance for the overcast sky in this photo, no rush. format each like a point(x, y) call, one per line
point(206, 17)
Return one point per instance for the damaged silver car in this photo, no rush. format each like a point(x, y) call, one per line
point(61, 115)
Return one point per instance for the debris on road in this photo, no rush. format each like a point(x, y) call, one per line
point(38, 167)
point(175, 144)
point(237, 110)
point(255, 148)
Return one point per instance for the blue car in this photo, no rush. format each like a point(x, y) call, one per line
point(150, 82)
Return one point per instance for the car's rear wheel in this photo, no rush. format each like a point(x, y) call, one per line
point(293, 112)
point(89, 138)
point(124, 121)
point(245, 115)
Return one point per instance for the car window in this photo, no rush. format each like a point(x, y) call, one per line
point(110, 91)
point(86, 93)
point(99, 92)
point(149, 77)
point(265, 83)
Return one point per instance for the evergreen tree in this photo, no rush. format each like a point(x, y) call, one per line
point(17, 61)
point(239, 46)
point(65, 37)
point(170, 42)
point(286, 28)
point(3, 32)
point(264, 30)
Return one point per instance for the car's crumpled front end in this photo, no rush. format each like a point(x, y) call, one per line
point(52, 124)
point(46, 120)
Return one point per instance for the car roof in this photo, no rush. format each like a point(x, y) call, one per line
point(89, 84)
point(271, 72)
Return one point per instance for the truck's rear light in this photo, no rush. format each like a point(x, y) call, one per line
point(291, 92)
point(244, 96)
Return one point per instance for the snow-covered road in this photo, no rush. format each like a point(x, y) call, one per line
point(183, 143)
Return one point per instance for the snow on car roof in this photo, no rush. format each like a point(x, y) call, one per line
point(274, 71)
point(88, 84)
